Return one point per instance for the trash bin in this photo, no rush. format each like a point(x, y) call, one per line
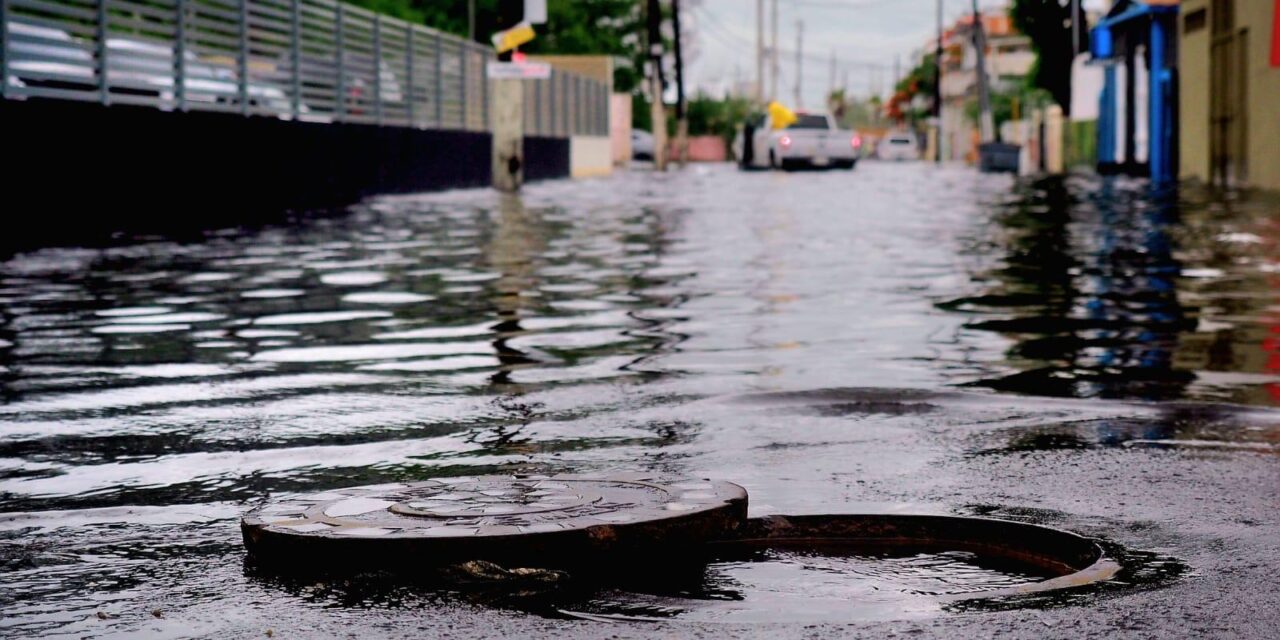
point(998, 157)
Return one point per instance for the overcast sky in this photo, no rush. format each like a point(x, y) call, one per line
point(865, 35)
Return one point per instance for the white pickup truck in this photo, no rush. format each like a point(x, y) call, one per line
point(813, 140)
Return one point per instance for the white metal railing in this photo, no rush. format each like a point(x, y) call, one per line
point(315, 60)
point(566, 104)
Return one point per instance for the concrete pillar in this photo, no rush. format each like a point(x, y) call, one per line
point(659, 112)
point(1053, 137)
point(682, 141)
point(508, 134)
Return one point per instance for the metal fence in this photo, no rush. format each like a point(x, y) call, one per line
point(566, 104)
point(315, 60)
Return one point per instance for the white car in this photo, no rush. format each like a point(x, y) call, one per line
point(899, 146)
point(813, 140)
point(641, 145)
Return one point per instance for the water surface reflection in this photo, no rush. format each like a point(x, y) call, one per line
point(808, 335)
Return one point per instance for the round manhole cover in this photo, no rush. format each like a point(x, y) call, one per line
point(534, 520)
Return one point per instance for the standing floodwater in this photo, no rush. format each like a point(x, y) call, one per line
point(900, 338)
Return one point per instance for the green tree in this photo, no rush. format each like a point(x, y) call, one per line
point(918, 81)
point(718, 117)
point(1048, 24)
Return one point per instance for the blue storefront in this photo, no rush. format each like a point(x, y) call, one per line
point(1137, 122)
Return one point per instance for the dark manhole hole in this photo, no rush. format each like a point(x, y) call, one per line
point(858, 567)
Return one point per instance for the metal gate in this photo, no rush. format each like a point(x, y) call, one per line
point(1228, 123)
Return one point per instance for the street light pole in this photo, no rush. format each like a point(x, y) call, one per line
point(986, 124)
point(759, 51)
point(799, 63)
point(774, 67)
point(657, 109)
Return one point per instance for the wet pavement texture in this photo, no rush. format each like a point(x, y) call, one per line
point(902, 338)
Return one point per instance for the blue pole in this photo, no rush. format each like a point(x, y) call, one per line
point(1157, 136)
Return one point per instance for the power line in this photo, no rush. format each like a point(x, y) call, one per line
point(728, 38)
point(836, 4)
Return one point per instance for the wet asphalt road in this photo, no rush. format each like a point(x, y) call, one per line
point(900, 338)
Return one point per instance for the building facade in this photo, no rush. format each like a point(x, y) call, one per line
point(1136, 44)
point(1229, 110)
point(1009, 58)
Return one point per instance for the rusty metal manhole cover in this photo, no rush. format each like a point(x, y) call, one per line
point(502, 518)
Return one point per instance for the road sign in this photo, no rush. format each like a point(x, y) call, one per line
point(518, 70)
point(505, 41)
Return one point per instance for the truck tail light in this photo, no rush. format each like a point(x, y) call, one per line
point(856, 142)
point(785, 141)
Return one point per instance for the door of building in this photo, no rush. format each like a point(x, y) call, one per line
point(1228, 123)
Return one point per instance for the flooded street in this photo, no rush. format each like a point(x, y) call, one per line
point(900, 338)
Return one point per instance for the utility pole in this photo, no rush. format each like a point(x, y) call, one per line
point(508, 113)
point(1075, 30)
point(760, 51)
point(831, 75)
point(682, 122)
point(799, 63)
point(657, 110)
point(471, 20)
point(987, 125)
point(775, 69)
point(937, 89)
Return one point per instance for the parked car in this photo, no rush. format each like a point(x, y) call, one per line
point(50, 58)
point(812, 140)
point(641, 145)
point(899, 146)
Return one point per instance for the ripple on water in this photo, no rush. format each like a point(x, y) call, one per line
point(273, 293)
point(578, 327)
point(353, 278)
point(386, 297)
point(319, 317)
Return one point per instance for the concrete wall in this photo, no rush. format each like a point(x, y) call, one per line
point(598, 68)
point(704, 149)
point(546, 158)
point(83, 171)
point(1264, 94)
point(1193, 95)
point(1263, 80)
point(590, 156)
point(620, 127)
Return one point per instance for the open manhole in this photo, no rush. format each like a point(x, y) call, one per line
point(834, 568)
point(636, 547)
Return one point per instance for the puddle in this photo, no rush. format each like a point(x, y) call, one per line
point(832, 584)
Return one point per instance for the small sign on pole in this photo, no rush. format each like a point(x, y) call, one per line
point(518, 70)
point(505, 41)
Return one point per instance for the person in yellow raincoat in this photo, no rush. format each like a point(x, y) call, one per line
point(780, 116)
